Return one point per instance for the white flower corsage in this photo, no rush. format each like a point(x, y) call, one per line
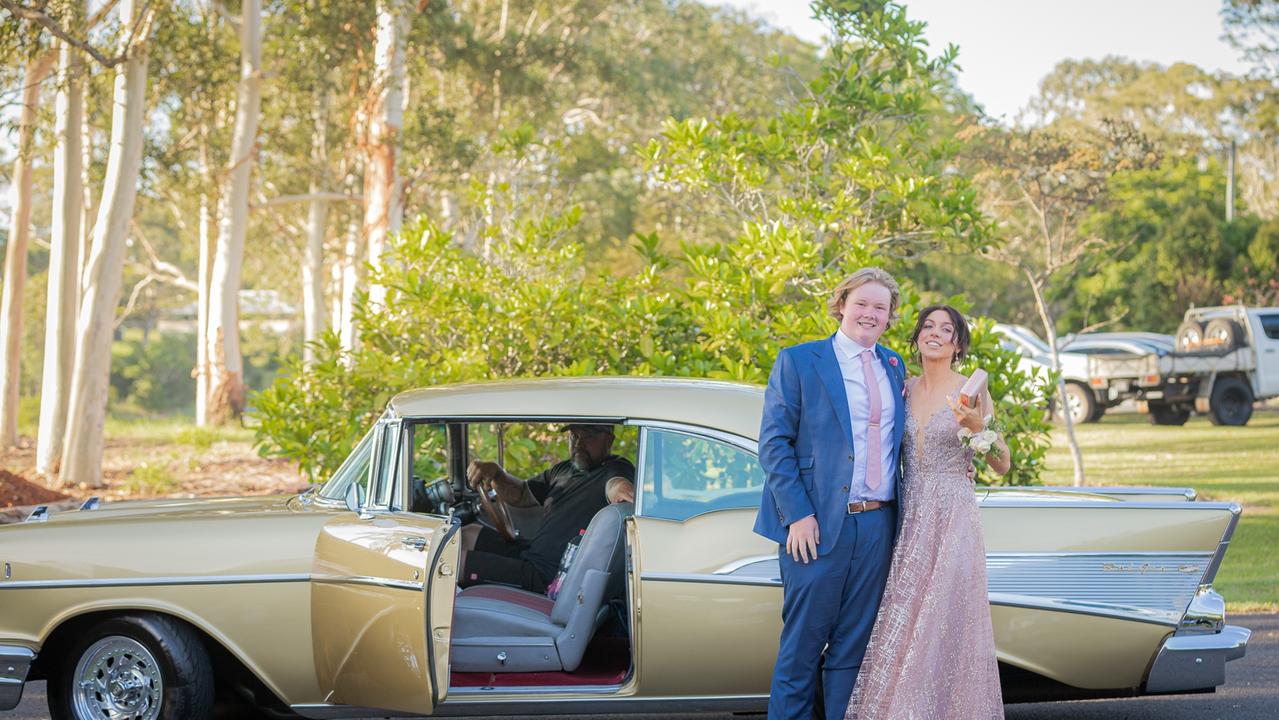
point(981, 441)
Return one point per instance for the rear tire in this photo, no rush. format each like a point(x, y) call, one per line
point(1230, 402)
point(1164, 414)
point(143, 666)
point(1221, 335)
point(1190, 336)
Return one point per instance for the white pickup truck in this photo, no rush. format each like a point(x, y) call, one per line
point(1227, 358)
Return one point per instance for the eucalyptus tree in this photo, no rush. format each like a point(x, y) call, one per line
point(38, 62)
point(86, 413)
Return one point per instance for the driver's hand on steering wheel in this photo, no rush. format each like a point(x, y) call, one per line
point(484, 475)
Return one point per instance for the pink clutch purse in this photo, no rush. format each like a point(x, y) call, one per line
point(974, 389)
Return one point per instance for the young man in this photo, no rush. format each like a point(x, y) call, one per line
point(829, 443)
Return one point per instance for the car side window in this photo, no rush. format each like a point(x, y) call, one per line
point(354, 470)
point(1270, 326)
point(684, 475)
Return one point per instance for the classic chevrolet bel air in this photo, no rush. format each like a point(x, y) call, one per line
point(343, 601)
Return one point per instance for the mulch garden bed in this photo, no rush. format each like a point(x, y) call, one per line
point(17, 491)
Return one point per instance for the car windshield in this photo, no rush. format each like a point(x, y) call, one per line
point(354, 470)
point(1027, 336)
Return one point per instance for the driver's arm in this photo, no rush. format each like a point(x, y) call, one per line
point(484, 475)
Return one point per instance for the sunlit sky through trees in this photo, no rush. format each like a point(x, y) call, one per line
point(1007, 46)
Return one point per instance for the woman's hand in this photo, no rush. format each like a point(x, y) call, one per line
point(968, 417)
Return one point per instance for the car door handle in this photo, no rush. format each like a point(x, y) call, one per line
point(416, 542)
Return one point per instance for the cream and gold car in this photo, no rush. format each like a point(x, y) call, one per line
point(343, 601)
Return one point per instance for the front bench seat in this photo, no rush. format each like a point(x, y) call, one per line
point(502, 629)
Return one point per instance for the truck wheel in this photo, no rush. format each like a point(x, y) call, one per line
point(1230, 403)
point(1081, 404)
point(1165, 414)
point(1190, 336)
point(143, 667)
point(1221, 334)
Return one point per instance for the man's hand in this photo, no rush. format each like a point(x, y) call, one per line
point(484, 476)
point(801, 542)
point(619, 489)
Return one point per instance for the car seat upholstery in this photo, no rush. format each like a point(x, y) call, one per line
point(503, 629)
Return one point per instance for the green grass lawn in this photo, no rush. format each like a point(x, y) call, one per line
point(1237, 464)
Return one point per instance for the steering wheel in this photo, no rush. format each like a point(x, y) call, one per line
point(498, 514)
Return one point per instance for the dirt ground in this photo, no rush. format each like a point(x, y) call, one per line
point(134, 468)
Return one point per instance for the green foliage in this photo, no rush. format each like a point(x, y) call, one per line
point(820, 190)
point(153, 371)
point(1175, 249)
point(150, 478)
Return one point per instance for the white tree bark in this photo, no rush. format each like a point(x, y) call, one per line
point(202, 288)
point(15, 261)
point(226, 380)
point(86, 412)
point(64, 259)
point(382, 213)
point(313, 319)
point(1063, 402)
point(350, 280)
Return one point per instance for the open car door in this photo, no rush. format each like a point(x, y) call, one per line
point(383, 583)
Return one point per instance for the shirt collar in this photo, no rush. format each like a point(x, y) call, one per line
point(849, 347)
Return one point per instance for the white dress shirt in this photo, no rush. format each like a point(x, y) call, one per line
point(848, 353)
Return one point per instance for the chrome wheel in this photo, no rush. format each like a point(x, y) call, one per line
point(117, 677)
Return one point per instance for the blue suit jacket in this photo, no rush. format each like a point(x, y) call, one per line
point(806, 440)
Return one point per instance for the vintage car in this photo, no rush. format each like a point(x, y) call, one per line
point(343, 601)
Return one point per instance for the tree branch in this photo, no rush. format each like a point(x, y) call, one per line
point(41, 18)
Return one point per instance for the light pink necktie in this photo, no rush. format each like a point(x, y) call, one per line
point(874, 476)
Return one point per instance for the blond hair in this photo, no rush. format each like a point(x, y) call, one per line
point(835, 303)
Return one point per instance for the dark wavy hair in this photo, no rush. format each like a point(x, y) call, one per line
point(962, 336)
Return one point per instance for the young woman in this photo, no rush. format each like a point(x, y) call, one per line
point(932, 652)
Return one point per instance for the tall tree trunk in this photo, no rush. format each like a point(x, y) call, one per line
point(1063, 402)
point(351, 267)
point(382, 213)
point(313, 319)
point(226, 381)
point(64, 257)
point(86, 412)
point(15, 261)
point(206, 237)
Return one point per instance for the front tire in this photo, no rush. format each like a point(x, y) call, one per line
point(1081, 404)
point(1165, 414)
point(141, 667)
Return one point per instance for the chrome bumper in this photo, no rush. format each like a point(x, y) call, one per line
point(15, 661)
point(1196, 662)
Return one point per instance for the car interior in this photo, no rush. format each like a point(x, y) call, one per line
point(506, 637)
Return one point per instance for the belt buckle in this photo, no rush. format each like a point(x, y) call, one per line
point(856, 507)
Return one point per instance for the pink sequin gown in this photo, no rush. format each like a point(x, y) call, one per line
point(932, 652)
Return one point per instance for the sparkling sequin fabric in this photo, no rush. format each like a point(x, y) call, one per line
point(932, 653)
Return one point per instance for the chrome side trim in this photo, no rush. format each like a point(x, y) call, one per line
point(1196, 662)
point(1183, 492)
point(733, 567)
point(599, 706)
point(994, 501)
point(490, 693)
point(1030, 602)
point(15, 662)
point(322, 711)
point(367, 580)
point(155, 581)
point(711, 579)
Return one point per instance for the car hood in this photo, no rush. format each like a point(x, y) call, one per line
point(205, 537)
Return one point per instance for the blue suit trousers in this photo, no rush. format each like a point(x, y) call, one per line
point(830, 603)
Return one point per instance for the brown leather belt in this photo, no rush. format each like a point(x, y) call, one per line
point(862, 506)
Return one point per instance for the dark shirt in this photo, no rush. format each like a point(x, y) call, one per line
point(571, 498)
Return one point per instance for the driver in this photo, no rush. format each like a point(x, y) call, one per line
point(570, 493)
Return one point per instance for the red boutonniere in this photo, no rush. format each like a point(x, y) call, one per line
point(892, 361)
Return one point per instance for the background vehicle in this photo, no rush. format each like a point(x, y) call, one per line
point(1087, 402)
point(1226, 358)
point(341, 601)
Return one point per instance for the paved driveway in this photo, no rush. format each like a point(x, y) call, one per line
point(1251, 692)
